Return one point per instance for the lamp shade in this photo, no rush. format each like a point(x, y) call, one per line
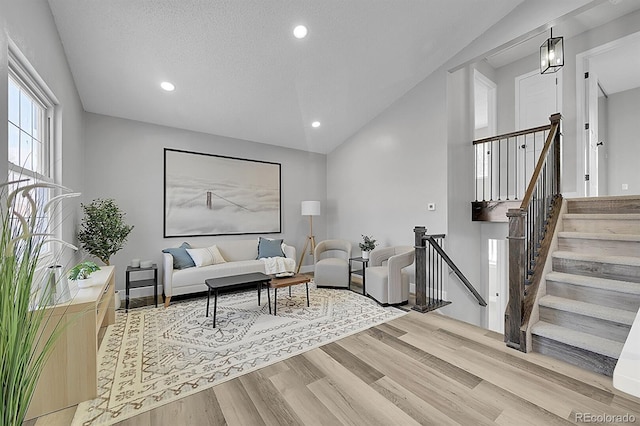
point(310, 208)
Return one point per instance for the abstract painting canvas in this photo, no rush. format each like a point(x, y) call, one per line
point(206, 194)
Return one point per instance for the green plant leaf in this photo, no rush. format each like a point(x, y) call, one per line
point(103, 231)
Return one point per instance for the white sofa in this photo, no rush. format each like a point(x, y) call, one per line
point(240, 256)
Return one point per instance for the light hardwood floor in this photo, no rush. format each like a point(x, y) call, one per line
point(418, 369)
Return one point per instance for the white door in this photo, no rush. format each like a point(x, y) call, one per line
point(537, 98)
point(591, 129)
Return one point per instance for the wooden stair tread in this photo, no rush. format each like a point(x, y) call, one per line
point(578, 339)
point(618, 286)
point(604, 198)
point(602, 216)
point(588, 309)
point(599, 236)
point(617, 260)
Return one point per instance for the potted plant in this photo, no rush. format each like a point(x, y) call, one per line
point(81, 272)
point(367, 244)
point(24, 294)
point(103, 231)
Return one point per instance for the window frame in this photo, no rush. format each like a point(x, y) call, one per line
point(27, 79)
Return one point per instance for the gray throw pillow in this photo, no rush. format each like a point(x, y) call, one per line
point(269, 248)
point(181, 259)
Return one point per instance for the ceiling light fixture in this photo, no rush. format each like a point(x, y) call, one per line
point(315, 124)
point(169, 87)
point(300, 31)
point(551, 55)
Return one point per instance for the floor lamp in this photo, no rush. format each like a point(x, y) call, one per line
point(309, 208)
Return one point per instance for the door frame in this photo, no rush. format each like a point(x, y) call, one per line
point(582, 63)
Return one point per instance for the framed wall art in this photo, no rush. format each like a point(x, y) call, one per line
point(206, 194)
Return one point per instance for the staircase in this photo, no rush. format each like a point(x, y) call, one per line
point(593, 291)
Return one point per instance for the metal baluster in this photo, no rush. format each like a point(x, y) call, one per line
point(531, 219)
point(437, 274)
point(516, 165)
point(484, 179)
point(499, 168)
point(507, 168)
point(430, 271)
point(436, 293)
point(539, 216)
point(490, 154)
point(553, 175)
point(534, 159)
point(475, 169)
point(524, 175)
point(441, 269)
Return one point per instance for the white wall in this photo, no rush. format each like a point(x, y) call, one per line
point(623, 142)
point(381, 181)
point(30, 25)
point(124, 160)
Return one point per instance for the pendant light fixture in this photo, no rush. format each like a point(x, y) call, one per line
point(551, 54)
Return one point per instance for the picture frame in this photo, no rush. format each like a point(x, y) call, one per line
point(209, 194)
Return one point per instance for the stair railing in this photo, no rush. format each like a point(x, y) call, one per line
point(430, 259)
point(503, 164)
point(530, 230)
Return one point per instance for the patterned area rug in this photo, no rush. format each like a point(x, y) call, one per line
point(152, 356)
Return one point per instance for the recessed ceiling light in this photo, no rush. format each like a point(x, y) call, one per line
point(167, 86)
point(300, 31)
point(315, 124)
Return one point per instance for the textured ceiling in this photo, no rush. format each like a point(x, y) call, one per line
point(239, 72)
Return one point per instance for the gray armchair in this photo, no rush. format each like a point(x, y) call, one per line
point(332, 263)
point(387, 283)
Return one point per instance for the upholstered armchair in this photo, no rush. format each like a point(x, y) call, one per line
point(387, 283)
point(332, 263)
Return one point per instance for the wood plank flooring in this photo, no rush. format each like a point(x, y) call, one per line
point(419, 369)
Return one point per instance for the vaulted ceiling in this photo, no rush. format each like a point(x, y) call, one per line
point(239, 71)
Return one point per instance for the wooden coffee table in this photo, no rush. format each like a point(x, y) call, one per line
point(277, 283)
point(235, 281)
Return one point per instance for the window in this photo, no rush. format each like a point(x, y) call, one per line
point(30, 115)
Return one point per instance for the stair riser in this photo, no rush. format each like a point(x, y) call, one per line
point(600, 247)
point(580, 357)
point(604, 297)
point(597, 269)
point(619, 206)
point(605, 226)
point(597, 327)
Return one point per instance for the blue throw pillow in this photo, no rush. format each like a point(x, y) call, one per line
point(269, 248)
point(181, 259)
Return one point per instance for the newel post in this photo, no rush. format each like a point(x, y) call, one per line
point(421, 270)
point(517, 268)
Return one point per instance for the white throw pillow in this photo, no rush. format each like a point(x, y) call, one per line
point(206, 256)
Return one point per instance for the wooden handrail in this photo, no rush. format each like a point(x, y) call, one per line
point(555, 123)
point(512, 134)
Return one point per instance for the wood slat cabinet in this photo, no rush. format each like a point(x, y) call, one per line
point(70, 376)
